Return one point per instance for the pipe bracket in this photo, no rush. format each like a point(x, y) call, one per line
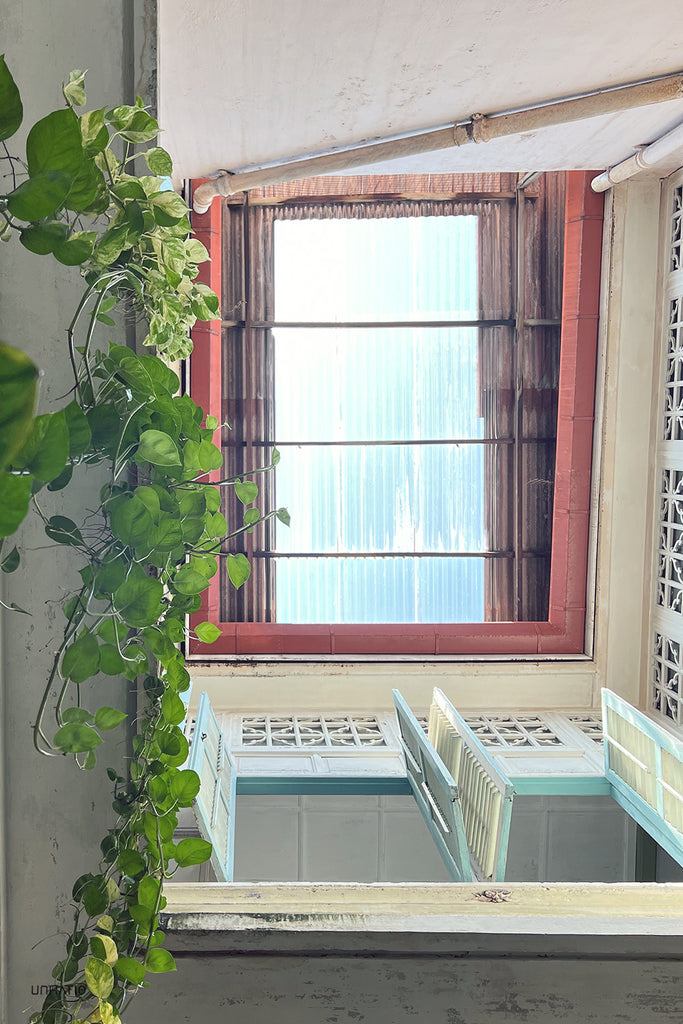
point(478, 128)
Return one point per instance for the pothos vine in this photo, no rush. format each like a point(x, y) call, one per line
point(152, 546)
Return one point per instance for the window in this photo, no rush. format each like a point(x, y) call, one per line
point(518, 528)
point(465, 772)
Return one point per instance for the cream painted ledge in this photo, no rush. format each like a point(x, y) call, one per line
point(527, 909)
point(277, 687)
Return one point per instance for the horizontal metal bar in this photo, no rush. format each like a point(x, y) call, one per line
point(374, 324)
point(377, 444)
point(397, 554)
point(318, 199)
point(374, 444)
point(530, 322)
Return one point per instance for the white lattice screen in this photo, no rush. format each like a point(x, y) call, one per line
point(528, 731)
point(590, 725)
point(666, 695)
point(271, 731)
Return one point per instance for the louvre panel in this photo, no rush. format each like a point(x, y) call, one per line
point(435, 793)
point(635, 763)
point(644, 765)
point(445, 739)
point(482, 811)
point(480, 799)
point(484, 791)
point(672, 796)
point(215, 802)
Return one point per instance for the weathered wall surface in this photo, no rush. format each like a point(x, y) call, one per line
point(461, 980)
point(54, 814)
point(383, 838)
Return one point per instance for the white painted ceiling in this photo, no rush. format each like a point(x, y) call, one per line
point(247, 82)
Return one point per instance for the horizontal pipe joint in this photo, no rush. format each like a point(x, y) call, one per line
point(206, 193)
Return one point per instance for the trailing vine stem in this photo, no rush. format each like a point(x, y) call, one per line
point(150, 547)
point(38, 733)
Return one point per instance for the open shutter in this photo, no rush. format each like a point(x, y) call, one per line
point(186, 724)
point(644, 767)
point(435, 792)
point(215, 802)
point(485, 792)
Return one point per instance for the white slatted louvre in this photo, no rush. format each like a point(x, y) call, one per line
point(644, 766)
point(485, 792)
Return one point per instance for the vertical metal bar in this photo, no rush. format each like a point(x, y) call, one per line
point(252, 593)
point(242, 312)
point(518, 424)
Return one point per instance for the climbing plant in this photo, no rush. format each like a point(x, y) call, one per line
point(151, 546)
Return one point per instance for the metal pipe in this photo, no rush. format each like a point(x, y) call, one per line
point(478, 128)
point(646, 157)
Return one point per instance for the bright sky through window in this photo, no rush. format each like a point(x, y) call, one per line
point(412, 385)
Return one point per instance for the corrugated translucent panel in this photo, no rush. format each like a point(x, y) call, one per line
point(340, 590)
point(408, 268)
point(386, 498)
point(374, 384)
point(364, 385)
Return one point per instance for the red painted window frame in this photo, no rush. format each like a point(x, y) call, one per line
point(563, 632)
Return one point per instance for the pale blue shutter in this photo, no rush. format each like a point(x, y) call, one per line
point(435, 792)
point(485, 792)
point(644, 767)
point(215, 803)
point(186, 724)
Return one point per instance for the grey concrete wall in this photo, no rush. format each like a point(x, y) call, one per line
point(55, 815)
point(448, 979)
point(383, 838)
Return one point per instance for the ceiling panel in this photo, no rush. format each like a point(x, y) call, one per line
point(246, 82)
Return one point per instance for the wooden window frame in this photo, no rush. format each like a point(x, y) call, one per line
point(563, 632)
